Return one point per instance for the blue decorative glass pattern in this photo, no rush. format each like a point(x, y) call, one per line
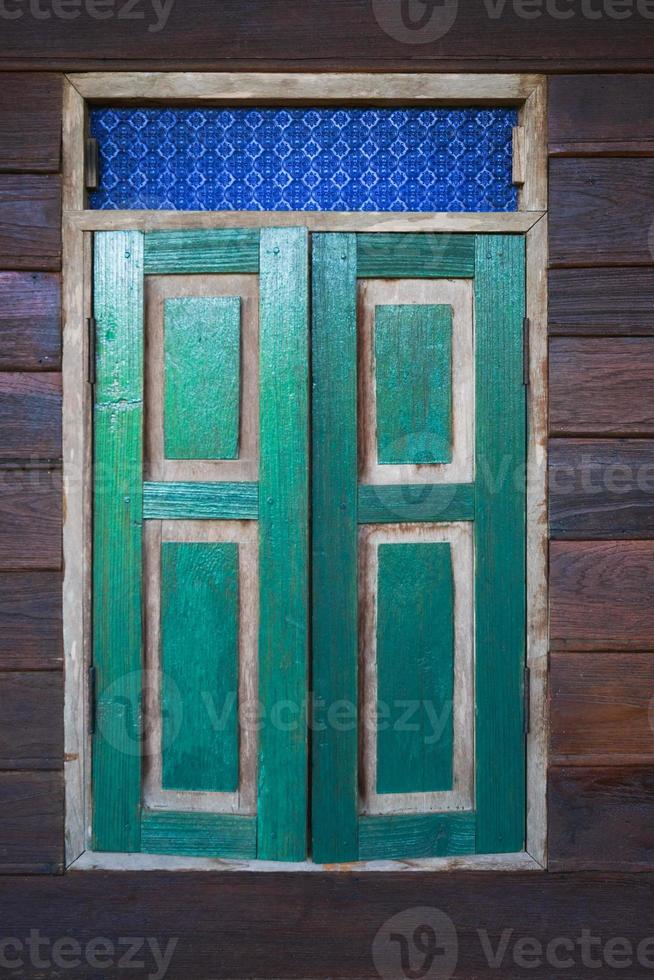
point(345, 159)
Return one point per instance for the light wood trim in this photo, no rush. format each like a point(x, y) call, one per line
point(537, 535)
point(518, 222)
point(533, 118)
point(308, 89)
point(73, 135)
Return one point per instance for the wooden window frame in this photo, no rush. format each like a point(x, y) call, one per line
point(528, 94)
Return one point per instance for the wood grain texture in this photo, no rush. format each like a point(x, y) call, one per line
point(30, 122)
point(30, 222)
point(199, 663)
point(325, 924)
point(202, 377)
point(194, 501)
point(600, 819)
point(31, 822)
point(350, 36)
point(334, 545)
point(601, 488)
point(601, 709)
point(284, 542)
point(601, 115)
point(413, 376)
point(601, 212)
point(30, 621)
point(200, 834)
point(416, 836)
point(417, 256)
point(30, 321)
point(31, 721)
point(600, 595)
point(415, 668)
point(30, 518)
point(500, 518)
point(30, 416)
point(601, 301)
point(117, 539)
point(225, 250)
point(602, 386)
point(399, 503)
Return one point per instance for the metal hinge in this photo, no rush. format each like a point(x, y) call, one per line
point(527, 701)
point(525, 350)
point(91, 164)
point(90, 347)
point(91, 690)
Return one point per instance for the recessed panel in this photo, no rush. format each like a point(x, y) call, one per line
point(199, 662)
point(413, 382)
point(415, 667)
point(202, 377)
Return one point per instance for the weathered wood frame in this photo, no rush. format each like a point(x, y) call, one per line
point(528, 93)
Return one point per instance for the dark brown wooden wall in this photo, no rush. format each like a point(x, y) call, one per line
point(601, 315)
point(601, 779)
point(31, 679)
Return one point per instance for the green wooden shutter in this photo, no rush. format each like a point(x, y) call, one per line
point(415, 592)
point(200, 582)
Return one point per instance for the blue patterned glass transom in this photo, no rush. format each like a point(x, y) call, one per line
point(323, 159)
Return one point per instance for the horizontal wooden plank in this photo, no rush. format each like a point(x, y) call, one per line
point(601, 301)
point(30, 416)
point(30, 518)
point(602, 386)
point(30, 621)
point(226, 835)
point(30, 122)
point(416, 256)
point(601, 709)
point(195, 501)
point(600, 819)
point(31, 822)
point(416, 835)
point(226, 250)
point(306, 35)
point(601, 488)
point(30, 222)
point(30, 321)
point(31, 720)
point(601, 212)
point(601, 595)
point(219, 926)
point(601, 114)
point(388, 504)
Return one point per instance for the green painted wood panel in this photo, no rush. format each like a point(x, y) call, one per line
point(199, 661)
point(197, 501)
point(415, 667)
point(407, 503)
point(413, 383)
point(117, 625)
point(500, 543)
point(419, 835)
point(225, 250)
point(283, 543)
point(202, 377)
point(334, 569)
point(224, 835)
point(415, 256)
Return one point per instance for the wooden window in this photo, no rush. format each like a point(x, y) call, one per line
point(311, 510)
